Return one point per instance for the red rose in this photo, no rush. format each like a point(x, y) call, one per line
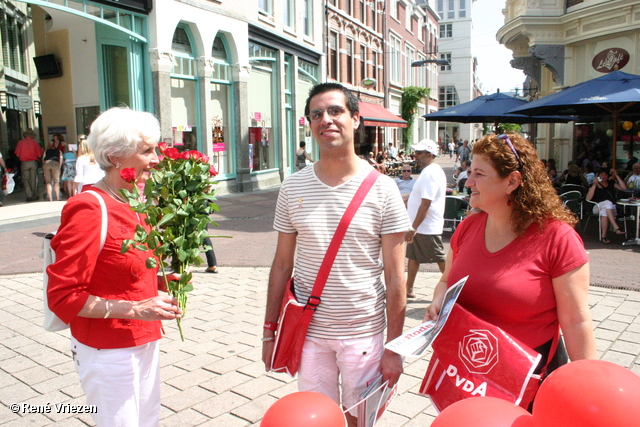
point(162, 146)
point(204, 159)
point(213, 171)
point(172, 153)
point(128, 174)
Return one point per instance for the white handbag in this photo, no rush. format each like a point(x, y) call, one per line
point(52, 323)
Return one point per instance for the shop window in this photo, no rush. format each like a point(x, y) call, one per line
point(184, 92)
point(223, 147)
point(306, 79)
point(84, 117)
point(262, 107)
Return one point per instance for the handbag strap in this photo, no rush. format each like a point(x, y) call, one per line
point(325, 268)
point(552, 353)
point(103, 224)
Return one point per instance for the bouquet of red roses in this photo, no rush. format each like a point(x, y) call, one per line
point(177, 200)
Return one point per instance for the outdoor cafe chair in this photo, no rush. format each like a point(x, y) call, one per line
point(573, 201)
point(455, 209)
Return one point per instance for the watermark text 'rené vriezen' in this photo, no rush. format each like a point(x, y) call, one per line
point(56, 408)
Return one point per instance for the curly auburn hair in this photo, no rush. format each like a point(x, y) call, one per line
point(535, 199)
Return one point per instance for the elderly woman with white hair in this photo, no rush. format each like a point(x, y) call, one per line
point(109, 299)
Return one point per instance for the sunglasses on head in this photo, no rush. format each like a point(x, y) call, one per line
point(508, 141)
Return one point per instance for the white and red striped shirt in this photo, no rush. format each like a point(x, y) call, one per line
point(353, 300)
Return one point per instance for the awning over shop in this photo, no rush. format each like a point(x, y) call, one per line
point(377, 115)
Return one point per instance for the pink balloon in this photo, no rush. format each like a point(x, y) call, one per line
point(483, 412)
point(304, 409)
point(588, 393)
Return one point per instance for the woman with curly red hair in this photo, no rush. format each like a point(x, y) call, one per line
point(528, 269)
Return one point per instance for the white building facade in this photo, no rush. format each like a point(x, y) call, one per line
point(561, 43)
point(457, 81)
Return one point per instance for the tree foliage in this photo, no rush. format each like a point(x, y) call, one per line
point(411, 97)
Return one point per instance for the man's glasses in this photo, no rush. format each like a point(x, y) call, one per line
point(508, 141)
point(333, 112)
point(408, 170)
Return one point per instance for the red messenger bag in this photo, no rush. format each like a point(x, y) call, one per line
point(295, 317)
point(472, 357)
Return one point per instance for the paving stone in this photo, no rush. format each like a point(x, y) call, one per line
point(626, 347)
point(190, 379)
point(190, 363)
point(226, 420)
point(56, 383)
point(221, 383)
point(622, 359)
point(219, 404)
point(259, 386)
point(188, 417)
point(288, 388)
point(613, 326)
point(254, 410)
point(391, 419)
point(409, 404)
point(187, 398)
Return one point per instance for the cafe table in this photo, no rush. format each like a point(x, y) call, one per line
point(635, 205)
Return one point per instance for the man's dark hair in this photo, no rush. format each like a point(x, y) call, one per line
point(350, 98)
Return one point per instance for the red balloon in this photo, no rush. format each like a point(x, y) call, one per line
point(588, 393)
point(304, 409)
point(483, 412)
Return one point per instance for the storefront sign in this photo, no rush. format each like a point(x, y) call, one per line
point(25, 102)
point(610, 60)
point(257, 117)
point(218, 146)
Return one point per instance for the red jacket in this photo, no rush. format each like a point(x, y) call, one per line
point(81, 269)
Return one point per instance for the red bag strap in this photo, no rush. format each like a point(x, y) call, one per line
point(552, 353)
point(325, 268)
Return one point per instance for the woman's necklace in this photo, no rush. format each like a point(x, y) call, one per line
point(119, 198)
point(113, 193)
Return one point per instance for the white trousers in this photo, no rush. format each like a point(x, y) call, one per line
point(334, 366)
point(123, 383)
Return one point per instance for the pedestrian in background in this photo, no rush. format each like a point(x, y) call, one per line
point(302, 156)
point(88, 171)
point(52, 165)
point(29, 152)
point(426, 213)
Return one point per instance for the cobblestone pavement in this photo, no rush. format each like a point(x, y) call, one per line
point(216, 377)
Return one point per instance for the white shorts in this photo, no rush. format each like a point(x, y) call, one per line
point(603, 206)
point(327, 363)
point(122, 383)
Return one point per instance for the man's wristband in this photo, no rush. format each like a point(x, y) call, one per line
point(270, 326)
point(412, 229)
point(267, 339)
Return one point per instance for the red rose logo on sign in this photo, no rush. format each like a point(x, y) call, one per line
point(479, 351)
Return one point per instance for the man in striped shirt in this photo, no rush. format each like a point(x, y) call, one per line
point(347, 332)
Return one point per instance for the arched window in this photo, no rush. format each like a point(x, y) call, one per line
point(221, 109)
point(184, 91)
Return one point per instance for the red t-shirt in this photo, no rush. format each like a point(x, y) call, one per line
point(512, 288)
point(81, 269)
point(28, 150)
